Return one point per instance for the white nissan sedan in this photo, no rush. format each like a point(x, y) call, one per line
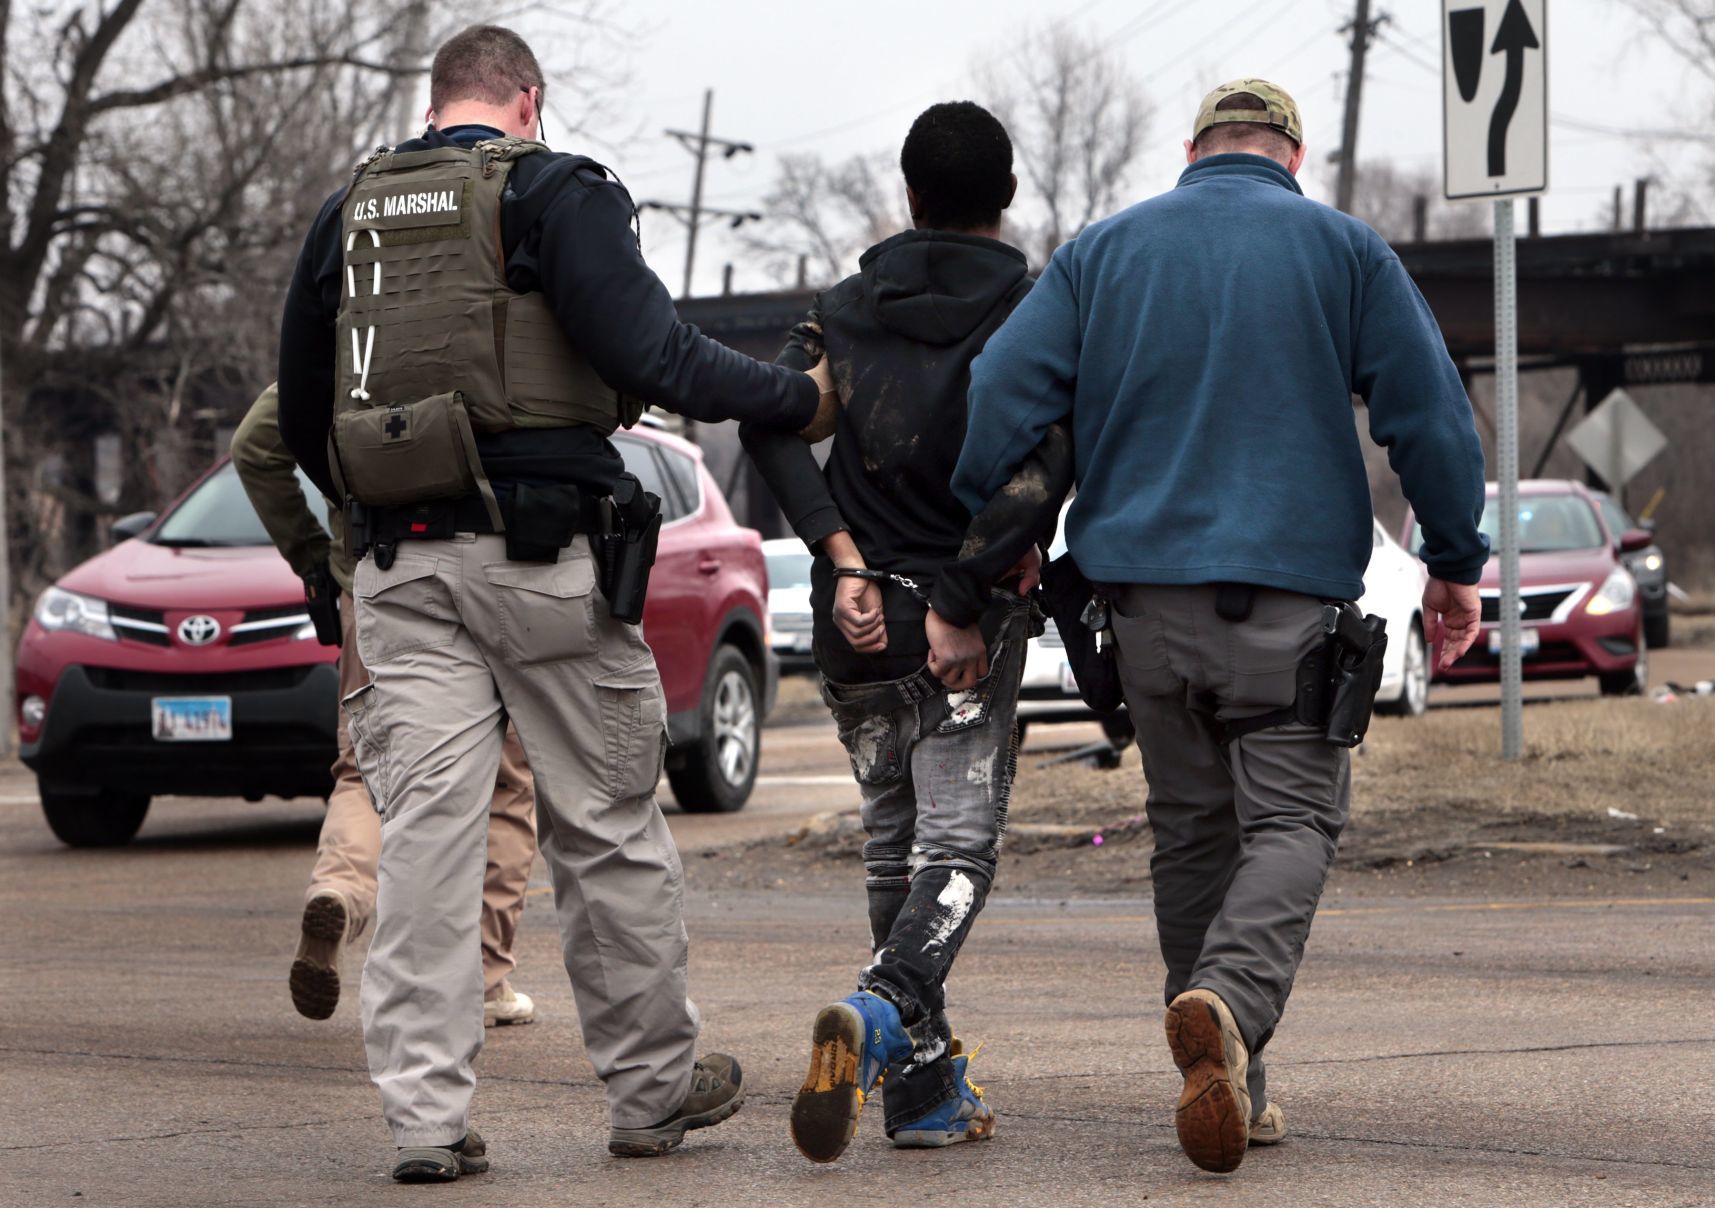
point(1393, 589)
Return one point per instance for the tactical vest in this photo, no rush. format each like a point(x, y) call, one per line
point(433, 345)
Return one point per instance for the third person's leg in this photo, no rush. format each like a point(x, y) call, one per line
point(511, 852)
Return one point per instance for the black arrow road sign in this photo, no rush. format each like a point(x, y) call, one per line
point(1515, 36)
point(1465, 36)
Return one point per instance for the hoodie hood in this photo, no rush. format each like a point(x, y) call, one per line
point(937, 287)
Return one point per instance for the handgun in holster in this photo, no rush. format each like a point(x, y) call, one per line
point(1356, 644)
point(628, 552)
point(1337, 681)
point(321, 599)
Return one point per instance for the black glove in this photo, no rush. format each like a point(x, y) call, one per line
point(321, 595)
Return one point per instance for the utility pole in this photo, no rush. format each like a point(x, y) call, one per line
point(1362, 30)
point(7, 695)
point(694, 215)
point(408, 53)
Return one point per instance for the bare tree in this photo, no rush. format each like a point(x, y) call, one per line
point(1077, 121)
point(160, 161)
point(824, 215)
point(1077, 118)
point(1386, 197)
point(1687, 28)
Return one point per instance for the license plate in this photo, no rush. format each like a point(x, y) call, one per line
point(1529, 641)
point(192, 718)
point(801, 642)
point(1068, 681)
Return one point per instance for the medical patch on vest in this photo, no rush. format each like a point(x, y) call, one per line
point(396, 427)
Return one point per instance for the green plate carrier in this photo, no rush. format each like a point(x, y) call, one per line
point(433, 345)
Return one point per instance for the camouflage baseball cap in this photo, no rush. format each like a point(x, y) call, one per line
point(1281, 110)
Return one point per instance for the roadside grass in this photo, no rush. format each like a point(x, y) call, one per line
point(1581, 758)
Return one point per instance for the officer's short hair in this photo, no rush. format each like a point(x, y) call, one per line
point(487, 63)
point(958, 160)
point(1245, 136)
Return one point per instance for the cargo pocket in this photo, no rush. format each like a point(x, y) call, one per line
point(1265, 649)
point(545, 609)
point(403, 608)
point(633, 728)
point(369, 753)
point(1140, 645)
point(871, 739)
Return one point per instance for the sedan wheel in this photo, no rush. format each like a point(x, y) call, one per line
point(1413, 698)
point(1633, 681)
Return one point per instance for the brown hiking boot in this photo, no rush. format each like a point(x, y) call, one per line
point(314, 979)
point(1214, 1113)
point(717, 1091)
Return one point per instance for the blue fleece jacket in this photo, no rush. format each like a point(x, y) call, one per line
point(1206, 345)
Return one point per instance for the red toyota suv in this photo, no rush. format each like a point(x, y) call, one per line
point(182, 661)
point(1581, 610)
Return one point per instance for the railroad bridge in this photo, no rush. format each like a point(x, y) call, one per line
point(1623, 308)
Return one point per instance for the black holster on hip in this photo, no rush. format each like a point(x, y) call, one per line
point(1337, 681)
point(321, 601)
point(628, 550)
point(1081, 618)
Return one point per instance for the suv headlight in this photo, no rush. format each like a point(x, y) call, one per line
point(1615, 594)
point(60, 610)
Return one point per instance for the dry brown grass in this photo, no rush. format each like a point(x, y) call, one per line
point(1581, 757)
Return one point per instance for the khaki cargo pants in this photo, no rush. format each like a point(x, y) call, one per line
point(458, 639)
point(349, 848)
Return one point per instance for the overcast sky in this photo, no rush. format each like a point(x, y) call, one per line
point(848, 78)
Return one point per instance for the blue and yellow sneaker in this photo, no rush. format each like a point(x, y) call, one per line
point(853, 1042)
point(965, 1118)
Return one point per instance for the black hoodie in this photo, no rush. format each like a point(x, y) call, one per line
point(900, 337)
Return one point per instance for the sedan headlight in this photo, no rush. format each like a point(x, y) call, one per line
point(1615, 595)
point(60, 610)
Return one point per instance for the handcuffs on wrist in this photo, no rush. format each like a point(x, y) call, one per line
point(881, 576)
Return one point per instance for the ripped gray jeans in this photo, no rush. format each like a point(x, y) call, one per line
point(935, 770)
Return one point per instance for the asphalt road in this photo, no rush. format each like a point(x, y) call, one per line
point(1436, 1051)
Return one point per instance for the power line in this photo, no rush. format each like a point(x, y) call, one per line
point(694, 214)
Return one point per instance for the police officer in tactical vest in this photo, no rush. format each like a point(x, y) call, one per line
point(468, 322)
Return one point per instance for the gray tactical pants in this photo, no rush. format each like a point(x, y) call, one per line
point(1244, 834)
point(457, 640)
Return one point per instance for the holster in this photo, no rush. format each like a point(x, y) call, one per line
point(321, 601)
point(628, 551)
point(1081, 619)
point(1337, 681)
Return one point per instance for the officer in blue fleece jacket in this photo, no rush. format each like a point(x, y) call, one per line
point(1204, 347)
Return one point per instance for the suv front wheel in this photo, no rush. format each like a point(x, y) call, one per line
point(93, 819)
point(715, 772)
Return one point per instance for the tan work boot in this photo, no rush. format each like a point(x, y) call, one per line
point(1213, 1117)
point(507, 1006)
point(717, 1091)
point(1270, 1127)
point(314, 979)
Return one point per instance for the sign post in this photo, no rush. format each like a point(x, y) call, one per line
point(1495, 124)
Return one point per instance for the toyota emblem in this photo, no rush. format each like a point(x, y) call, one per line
point(198, 630)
